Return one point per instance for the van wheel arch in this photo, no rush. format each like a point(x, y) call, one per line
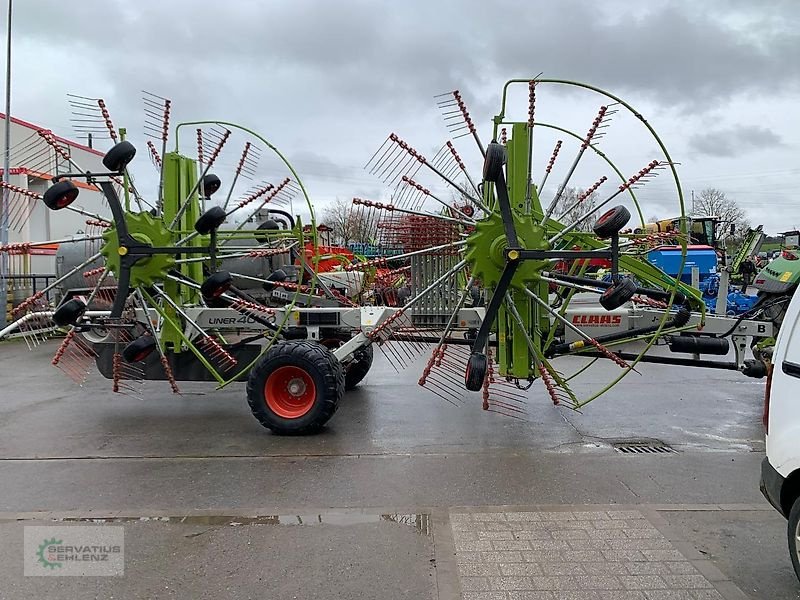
point(790, 491)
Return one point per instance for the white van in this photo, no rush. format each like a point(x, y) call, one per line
point(780, 470)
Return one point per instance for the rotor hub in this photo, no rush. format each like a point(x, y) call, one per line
point(486, 249)
point(144, 228)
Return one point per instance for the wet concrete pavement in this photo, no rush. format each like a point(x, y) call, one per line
point(392, 448)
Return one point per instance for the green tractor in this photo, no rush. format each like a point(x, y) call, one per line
point(777, 281)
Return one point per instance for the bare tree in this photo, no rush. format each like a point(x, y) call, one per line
point(347, 222)
point(568, 198)
point(712, 202)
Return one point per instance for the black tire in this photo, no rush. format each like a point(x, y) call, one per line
point(210, 220)
point(267, 226)
point(217, 284)
point(308, 363)
point(792, 531)
point(477, 365)
point(618, 294)
point(69, 313)
point(139, 349)
point(496, 157)
point(119, 156)
point(358, 367)
point(278, 275)
point(60, 195)
point(611, 222)
point(775, 308)
point(211, 183)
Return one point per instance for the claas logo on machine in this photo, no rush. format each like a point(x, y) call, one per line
point(601, 320)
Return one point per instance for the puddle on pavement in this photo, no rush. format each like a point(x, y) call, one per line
point(420, 522)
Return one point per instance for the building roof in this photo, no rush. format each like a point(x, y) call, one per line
point(62, 140)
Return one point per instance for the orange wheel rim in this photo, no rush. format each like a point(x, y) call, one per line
point(290, 392)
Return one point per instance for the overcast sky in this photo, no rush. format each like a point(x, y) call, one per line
point(327, 81)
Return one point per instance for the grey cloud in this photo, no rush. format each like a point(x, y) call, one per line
point(734, 141)
point(673, 55)
point(327, 81)
point(397, 53)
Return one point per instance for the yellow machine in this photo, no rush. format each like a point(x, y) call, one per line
point(703, 230)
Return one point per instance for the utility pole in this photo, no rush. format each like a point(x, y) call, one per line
point(692, 201)
point(4, 204)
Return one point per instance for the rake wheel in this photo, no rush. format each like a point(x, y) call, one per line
point(529, 258)
point(161, 256)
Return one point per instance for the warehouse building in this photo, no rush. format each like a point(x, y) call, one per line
point(36, 156)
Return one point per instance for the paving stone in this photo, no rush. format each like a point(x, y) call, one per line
point(625, 514)
point(523, 516)
point(621, 595)
point(706, 595)
point(687, 581)
point(638, 524)
point(484, 596)
point(510, 583)
point(557, 516)
point(521, 569)
point(581, 555)
point(668, 595)
point(646, 544)
point(478, 569)
point(608, 534)
point(554, 583)
point(586, 555)
point(548, 545)
point(589, 544)
point(611, 524)
point(568, 524)
point(460, 517)
point(569, 534)
point(607, 568)
point(663, 555)
point(534, 525)
point(532, 596)
point(642, 582)
point(496, 526)
point(598, 582)
point(597, 515)
point(536, 534)
point(627, 555)
point(474, 583)
point(473, 546)
point(562, 568)
point(648, 568)
point(509, 545)
point(643, 533)
point(504, 557)
point(469, 557)
point(488, 517)
point(494, 535)
point(681, 568)
point(576, 595)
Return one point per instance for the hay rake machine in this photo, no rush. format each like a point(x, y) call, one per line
point(489, 283)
